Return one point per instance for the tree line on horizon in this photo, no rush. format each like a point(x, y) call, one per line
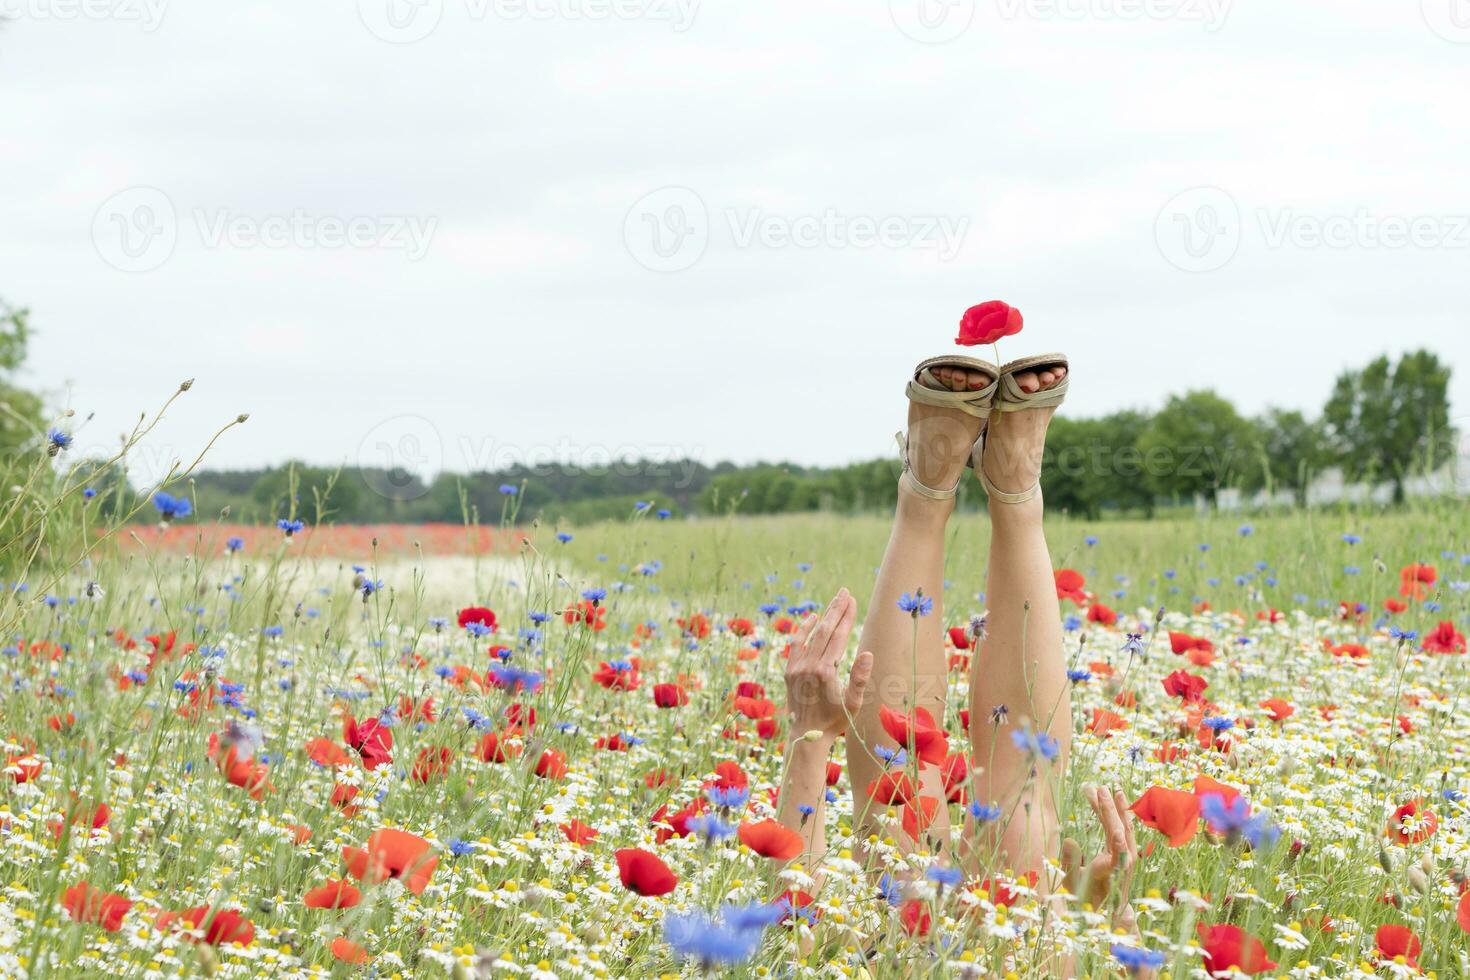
point(1383, 423)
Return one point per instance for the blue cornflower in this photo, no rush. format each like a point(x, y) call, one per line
point(1072, 623)
point(709, 941)
point(1136, 960)
point(756, 915)
point(89, 493)
point(1036, 743)
point(1260, 832)
point(641, 505)
point(664, 513)
point(1352, 539)
point(478, 630)
point(889, 890)
point(1219, 723)
point(369, 586)
point(539, 617)
point(233, 544)
point(595, 595)
point(769, 609)
point(891, 757)
point(711, 828)
point(1134, 645)
point(1408, 636)
point(57, 440)
point(1090, 540)
point(509, 489)
point(1079, 676)
point(273, 630)
point(916, 605)
point(727, 798)
point(438, 622)
point(806, 810)
point(1452, 795)
point(1246, 530)
point(944, 877)
point(291, 527)
point(983, 813)
point(170, 506)
point(563, 537)
point(516, 678)
point(459, 848)
point(1222, 816)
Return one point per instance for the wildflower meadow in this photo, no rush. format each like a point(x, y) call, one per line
point(553, 752)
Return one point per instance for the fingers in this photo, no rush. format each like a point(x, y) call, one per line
point(1099, 879)
point(1126, 815)
point(837, 642)
point(857, 682)
point(822, 632)
point(1107, 812)
point(1072, 866)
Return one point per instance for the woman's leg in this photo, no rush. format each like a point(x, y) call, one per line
point(909, 669)
point(1019, 683)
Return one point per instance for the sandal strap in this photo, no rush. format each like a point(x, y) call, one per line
point(914, 484)
point(926, 389)
point(1013, 399)
point(1001, 497)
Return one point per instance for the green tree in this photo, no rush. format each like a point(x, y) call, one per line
point(22, 416)
point(1198, 444)
point(1386, 421)
point(1290, 450)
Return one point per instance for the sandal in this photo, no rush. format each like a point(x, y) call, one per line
point(1011, 398)
point(977, 403)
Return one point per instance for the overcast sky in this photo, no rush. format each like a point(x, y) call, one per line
point(452, 232)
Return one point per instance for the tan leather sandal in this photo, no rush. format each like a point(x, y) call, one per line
point(977, 403)
point(1011, 398)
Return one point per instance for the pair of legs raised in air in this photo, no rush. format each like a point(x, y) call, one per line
point(1018, 676)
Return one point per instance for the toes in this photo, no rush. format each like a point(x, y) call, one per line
point(978, 380)
point(958, 380)
point(1047, 378)
point(1028, 381)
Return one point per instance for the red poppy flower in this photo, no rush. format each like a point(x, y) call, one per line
point(834, 773)
point(988, 323)
point(1462, 912)
point(1395, 606)
point(741, 627)
point(668, 825)
point(225, 926)
point(579, 833)
point(792, 901)
point(1412, 823)
point(669, 696)
point(1182, 643)
point(326, 753)
point(1190, 688)
point(955, 771)
point(1394, 941)
point(498, 747)
point(24, 768)
point(588, 613)
point(348, 951)
point(551, 765)
point(918, 815)
point(371, 739)
point(960, 637)
point(771, 839)
point(1105, 722)
point(1415, 580)
point(1445, 639)
point(1171, 812)
point(1099, 613)
point(644, 873)
point(916, 732)
point(87, 904)
point(728, 775)
point(433, 762)
point(476, 614)
point(623, 677)
point(1169, 752)
point(915, 917)
point(892, 787)
point(342, 797)
point(1069, 586)
point(755, 708)
point(1278, 709)
point(1229, 947)
point(335, 894)
point(392, 854)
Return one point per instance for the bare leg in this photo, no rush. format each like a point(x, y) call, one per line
point(909, 669)
point(1019, 669)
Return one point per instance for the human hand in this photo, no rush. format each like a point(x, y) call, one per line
point(815, 698)
point(1093, 881)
